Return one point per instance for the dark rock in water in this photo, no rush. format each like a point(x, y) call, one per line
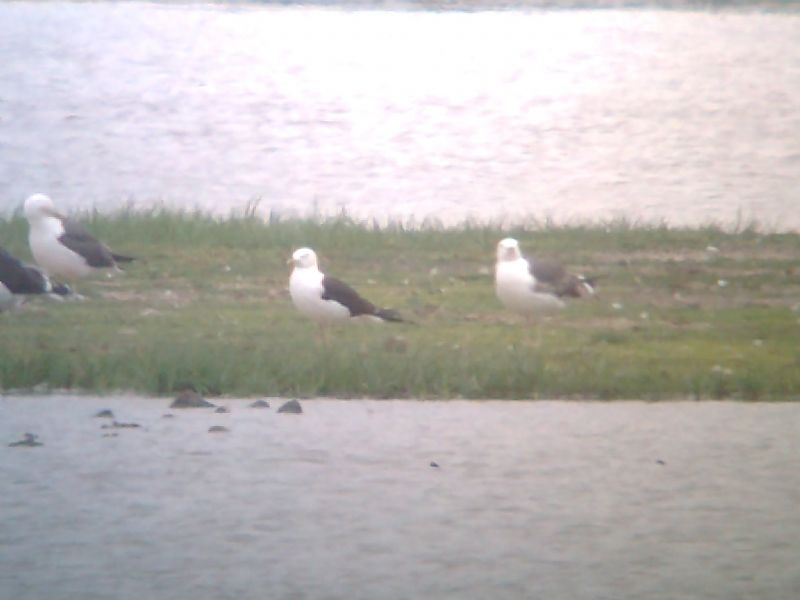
point(218, 429)
point(222, 409)
point(660, 462)
point(291, 407)
point(29, 441)
point(260, 404)
point(433, 464)
point(105, 414)
point(167, 416)
point(189, 398)
point(118, 425)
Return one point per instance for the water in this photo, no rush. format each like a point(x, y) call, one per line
point(530, 500)
point(683, 116)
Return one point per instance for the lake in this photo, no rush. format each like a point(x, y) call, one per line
point(683, 116)
point(579, 500)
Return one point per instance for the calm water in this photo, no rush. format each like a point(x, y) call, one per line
point(572, 114)
point(530, 500)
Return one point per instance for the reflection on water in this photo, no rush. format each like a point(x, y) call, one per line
point(685, 116)
point(530, 500)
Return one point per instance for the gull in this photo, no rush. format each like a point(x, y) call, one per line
point(17, 278)
point(63, 247)
point(325, 299)
point(536, 287)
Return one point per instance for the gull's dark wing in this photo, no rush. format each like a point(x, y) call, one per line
point(80, 241)
point(552, 278)
point(338, 291)
point(549, 275)
point(19, 278)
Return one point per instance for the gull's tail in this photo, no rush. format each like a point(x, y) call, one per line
point(589, 284)
point(387, 314)
point(578, 286)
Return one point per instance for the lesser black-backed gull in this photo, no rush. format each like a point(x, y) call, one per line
point(535, 287)
point(63, 247)
point(17, 278)
point(325, 299)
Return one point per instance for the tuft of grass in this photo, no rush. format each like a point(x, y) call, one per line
point(207, 303)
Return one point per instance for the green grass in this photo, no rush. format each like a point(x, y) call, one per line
point(207, 303)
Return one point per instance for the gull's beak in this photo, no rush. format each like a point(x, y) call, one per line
point(54, 213)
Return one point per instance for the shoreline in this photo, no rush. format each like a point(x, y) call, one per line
point(738, 221)
point(132, 395)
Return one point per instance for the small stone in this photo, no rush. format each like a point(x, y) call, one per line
point(291, 407)
point(105, 414)
point(189, 398)
point(616, 305)
point(28, 440)
point(222, 409)
point(118, 425)
point(660, 462)
point(260, 404)
point(110, 434)
point(167, 416)
point(435, 464)
point(218, 429)
point(722, 283)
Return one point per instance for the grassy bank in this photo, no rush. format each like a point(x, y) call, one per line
point(208, 304)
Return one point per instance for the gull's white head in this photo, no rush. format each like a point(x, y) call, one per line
point(304, 258)
point(39, 207)
point(508, 250)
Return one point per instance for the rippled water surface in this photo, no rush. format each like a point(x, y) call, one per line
point(571, 114)
point(529, 500)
